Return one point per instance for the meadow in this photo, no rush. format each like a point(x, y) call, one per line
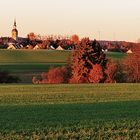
point(28, 63)
point(42, 56)
point(99, 111)
point(64, 111)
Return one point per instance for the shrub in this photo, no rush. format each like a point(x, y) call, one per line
point(53, 76)
point(6, 78)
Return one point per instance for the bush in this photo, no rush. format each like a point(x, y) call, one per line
point(53, 76)
point(6, 78)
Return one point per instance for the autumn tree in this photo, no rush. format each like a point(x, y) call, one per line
point(31, 36)
point(132, 65)
point(75, 38)
point(114, 72)
point(88, 62)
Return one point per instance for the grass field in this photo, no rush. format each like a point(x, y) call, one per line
point(41, 56)
point(33, 56)
point(28, 63)
point(105, 111)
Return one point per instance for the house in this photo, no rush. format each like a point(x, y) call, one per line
point(14, 46)
point(11, 47)
point(129, 51)
point(59, 48)
point(37, 47)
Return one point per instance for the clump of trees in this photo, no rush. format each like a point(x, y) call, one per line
point(126, 71)
point(132, 66)
point(114, 72)
point(88, 64)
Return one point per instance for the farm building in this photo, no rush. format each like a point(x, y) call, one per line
point(59, 48)
point(129, 51)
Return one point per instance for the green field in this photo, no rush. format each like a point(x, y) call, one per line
point(41, 56)
point(98, 111)
point(28, 63)
point(33, 56)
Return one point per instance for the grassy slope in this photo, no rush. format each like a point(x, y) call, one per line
point(28, 63)
point(70, 111)
point(33, 56)
point(41, 56)
point(40, 60)
point(59, 111)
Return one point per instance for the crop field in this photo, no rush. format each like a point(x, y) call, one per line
point(105, 111)
point(94, 111)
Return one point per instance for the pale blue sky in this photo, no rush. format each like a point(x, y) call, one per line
point(115, 19)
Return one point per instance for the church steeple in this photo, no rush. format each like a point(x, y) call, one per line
point(15, 31)
point(15, 24)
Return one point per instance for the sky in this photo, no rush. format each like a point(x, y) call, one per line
point(97, 19)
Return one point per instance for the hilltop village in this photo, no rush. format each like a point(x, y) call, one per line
point(56, 42)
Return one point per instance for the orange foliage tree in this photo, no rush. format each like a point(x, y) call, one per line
point(132, 65)
point(88, 62)
point(114, 72)
point(75, 38)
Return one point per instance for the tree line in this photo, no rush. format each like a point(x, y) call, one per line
point(89, 64)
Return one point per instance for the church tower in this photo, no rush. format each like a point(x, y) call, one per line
point(15, 31)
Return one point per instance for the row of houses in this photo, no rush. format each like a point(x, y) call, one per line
point(31, 42)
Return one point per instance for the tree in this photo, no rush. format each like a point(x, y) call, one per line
point(31, 36)
point(75, 39)
point(114, 72)
point(88, 62)
point(96, 74)
point(132, 65)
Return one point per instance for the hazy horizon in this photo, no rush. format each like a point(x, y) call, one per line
point(115, 20)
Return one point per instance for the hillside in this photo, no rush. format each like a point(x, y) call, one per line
point(28, 63)
point(42, 56)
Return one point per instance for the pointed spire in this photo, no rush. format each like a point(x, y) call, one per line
point(15, 24)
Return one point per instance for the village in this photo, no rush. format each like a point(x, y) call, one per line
point(50, 42)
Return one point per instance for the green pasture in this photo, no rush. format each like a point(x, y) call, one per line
point(94, 111)
point(64, 111)
point(42, 56)
point(33, 56)
point(28, 63)
point(116, 55)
